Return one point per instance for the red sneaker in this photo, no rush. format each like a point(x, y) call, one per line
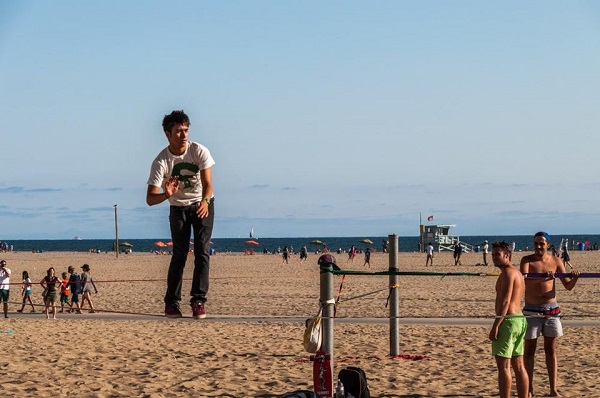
point(198, 311)
point(172, 311)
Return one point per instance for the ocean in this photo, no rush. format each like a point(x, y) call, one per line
point(237, 245)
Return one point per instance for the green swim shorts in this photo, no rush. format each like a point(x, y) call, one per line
point(511, 337)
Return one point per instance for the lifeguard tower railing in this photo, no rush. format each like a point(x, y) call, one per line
point(448, 242)
point(439, 236)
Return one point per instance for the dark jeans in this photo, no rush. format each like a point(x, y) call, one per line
point(182, 221)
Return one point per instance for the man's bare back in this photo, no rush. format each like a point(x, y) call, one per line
point(508, 331)
point(510, 280)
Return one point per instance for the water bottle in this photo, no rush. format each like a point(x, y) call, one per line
point(339, 390)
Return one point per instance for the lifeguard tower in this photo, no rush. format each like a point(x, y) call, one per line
point(439, 235)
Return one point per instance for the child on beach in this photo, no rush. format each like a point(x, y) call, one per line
point(26, 292)
point(367, 257)
point(64, 291)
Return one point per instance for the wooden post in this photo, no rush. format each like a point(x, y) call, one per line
point(116, 233)
point(394, 297)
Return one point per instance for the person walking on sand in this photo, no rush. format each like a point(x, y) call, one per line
point(4, 286)
point(367, 257)
point(86, 287)
point(75, 288)
point(485, 249)
point(508, 331)
point(384, 245)
point(565, 254)
point(64, 291)
point(457, 253)
point(285, 255)
point(182, 174)
point(542, 309)
point(351, 254)
point(50, 283)
point(429, 251)
point(26, 292)
point(303, 254)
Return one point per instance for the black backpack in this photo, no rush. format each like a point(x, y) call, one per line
point(354, 381)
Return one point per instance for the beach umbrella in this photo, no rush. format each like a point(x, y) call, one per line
point(316, 242)
point(126, 244)
point(160, 244)
point(170, 244)
point(367, 241)
point(252, 242)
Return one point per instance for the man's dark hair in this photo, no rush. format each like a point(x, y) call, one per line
point(543, 234)
point(176, 117)
point(504, 246)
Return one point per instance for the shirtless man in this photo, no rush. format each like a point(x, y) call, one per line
point(542, 309)
point(508, 331)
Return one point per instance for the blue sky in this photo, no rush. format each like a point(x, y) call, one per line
point(337, 118)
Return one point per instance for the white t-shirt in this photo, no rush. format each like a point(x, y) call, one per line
point(4, 278)
point(485, 248)
point(187, 167)
point(429, 250)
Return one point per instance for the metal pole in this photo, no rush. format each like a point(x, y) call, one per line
point(326, 299)
point(394, 297)
point(421, 235)
point(116, 233)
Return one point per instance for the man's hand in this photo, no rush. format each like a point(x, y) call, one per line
point(202, 209)
point(575, 274)
point(494, 333)
point(172, 186)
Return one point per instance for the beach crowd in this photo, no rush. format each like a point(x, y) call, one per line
point(71, 292)
point(5, 247)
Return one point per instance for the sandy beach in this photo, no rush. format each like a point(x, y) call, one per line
point(251, 343)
